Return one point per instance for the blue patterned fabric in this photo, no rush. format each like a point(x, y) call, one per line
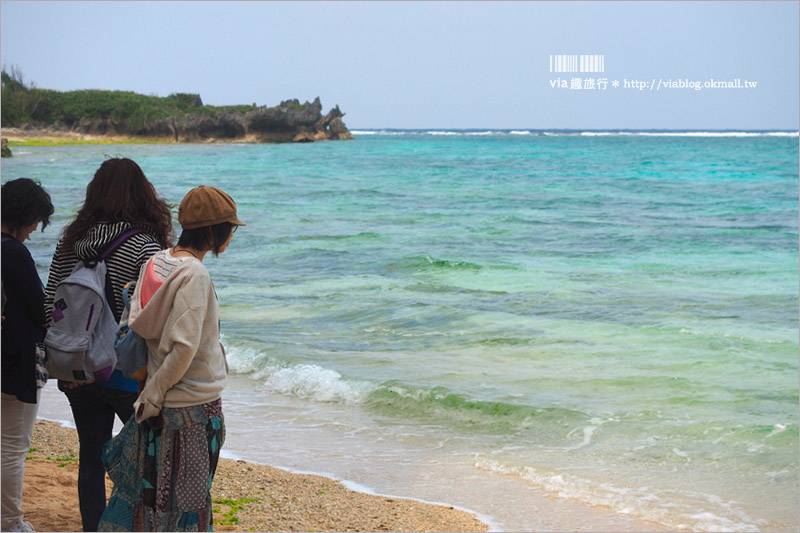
point(163, 469)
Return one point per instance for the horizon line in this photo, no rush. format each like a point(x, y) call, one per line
point(692, 130)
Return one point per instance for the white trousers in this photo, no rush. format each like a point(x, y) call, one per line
point(17, 422)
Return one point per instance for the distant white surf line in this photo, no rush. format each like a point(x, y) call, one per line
point(592, 133)
point(691, 133)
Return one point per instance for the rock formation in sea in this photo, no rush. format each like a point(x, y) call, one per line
point(5, 151)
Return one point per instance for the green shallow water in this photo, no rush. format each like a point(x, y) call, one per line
point(601, 316)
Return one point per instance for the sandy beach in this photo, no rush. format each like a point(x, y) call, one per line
point(54, 137)
point(247, 497)
point(18, 137)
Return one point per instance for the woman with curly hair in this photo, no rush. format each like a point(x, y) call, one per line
point(118, 199)
point(24, 206)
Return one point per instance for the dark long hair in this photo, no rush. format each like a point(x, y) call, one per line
point(121, 192)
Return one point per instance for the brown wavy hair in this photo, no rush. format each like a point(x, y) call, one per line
point(119, 192)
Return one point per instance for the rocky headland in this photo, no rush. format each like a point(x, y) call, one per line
point(288, 122)
point(107, 115)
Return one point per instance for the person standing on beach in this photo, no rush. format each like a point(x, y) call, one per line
point(25, 204)
point(119, 198)
point(163, 461)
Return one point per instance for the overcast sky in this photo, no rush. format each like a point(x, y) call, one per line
point(428, 64)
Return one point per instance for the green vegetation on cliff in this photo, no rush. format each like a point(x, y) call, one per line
point(23, 104)
point(179, 117)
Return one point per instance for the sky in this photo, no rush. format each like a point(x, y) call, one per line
point(421, 64)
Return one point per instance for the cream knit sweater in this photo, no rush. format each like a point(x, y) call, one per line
point(186, 362)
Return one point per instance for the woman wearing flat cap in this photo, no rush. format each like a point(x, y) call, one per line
point(162, 463)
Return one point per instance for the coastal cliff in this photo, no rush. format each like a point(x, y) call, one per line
point(179, 117)
point(288, 122)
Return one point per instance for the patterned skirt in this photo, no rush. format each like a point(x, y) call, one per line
point(162, 470)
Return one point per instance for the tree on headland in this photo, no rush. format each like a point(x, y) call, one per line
point(20, 101)
point(14, 78)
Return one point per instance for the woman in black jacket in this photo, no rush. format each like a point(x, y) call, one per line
point(24, 206)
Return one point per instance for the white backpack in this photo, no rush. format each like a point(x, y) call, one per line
point(80, 343)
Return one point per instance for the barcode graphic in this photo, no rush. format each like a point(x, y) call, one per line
point(577, 63)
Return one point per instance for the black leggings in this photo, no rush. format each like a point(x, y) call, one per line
point(93, 408)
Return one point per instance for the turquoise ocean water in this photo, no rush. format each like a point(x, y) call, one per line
point(470, 317)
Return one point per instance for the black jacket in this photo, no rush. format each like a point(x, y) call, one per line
point(24, 320)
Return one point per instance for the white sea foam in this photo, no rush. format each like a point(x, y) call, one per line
point(592, 133)
point(717, 134)
point(249, 361)
point(777, 428)
point(307, 381)
point(588, 432)
point(317, 383)
point(683, 133)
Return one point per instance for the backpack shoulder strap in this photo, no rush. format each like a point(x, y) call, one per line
point(111, 297)
point(2, 289)
point(118, 241)
point(92, 261)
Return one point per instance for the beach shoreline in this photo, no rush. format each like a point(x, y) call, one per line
point(19, 137)
point(247, 496)
point(49, 137)
point(487, 501)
